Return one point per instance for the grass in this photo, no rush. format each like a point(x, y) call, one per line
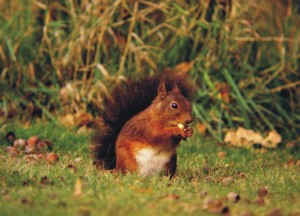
point(59, 57)
point(24, 192)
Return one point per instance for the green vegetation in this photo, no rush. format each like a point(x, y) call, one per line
point(38, 188)
point(59, 57)
point(63, 57)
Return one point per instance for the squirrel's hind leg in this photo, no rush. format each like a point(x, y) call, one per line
point(170, 167)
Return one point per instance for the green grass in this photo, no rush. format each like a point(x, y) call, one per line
point(59, 57)
point(104, 193)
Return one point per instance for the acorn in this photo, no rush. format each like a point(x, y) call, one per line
point(20, 143)
point(52, 158)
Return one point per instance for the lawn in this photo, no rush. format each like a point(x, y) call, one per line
point(207, 173)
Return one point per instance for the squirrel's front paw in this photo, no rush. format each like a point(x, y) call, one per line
point(186, 131)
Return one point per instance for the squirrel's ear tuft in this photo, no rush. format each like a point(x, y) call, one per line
point(162, 91)
point(175, 88)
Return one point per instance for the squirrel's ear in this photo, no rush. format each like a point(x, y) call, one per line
point(175, 88)
point(162, 91)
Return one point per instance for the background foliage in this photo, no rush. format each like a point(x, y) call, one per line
point(59, 57)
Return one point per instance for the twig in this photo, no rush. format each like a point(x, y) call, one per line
point(132, 24)
point(287, 86)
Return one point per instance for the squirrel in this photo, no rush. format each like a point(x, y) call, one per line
point(143, 121)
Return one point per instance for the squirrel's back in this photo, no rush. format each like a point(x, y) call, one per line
point(126, 100)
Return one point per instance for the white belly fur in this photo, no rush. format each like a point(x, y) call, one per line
point(151, 161)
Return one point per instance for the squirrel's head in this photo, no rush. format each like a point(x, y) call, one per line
point(172, 106)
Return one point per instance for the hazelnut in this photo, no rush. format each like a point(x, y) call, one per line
point(33, 140)
point(181, 126)
point(29, 149)
point(12, 151)
point(20, 143)
point(52, 158)
point(262, 192)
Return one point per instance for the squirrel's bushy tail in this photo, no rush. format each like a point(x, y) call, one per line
point(125, 101)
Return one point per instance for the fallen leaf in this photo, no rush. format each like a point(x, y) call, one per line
point(45, 180)
point(222, 154)
point(246, 213)
point(291, 163)
point(203, 193)
point(67, 120)
point(248, 138)
point(172, 197)
point(223, 89)
point(201, 128)
point(275, 212)
point(233, 197)
point(72, 167)
point(84, 130)
point(83, 119)
point(272, 140)
point(215, 206)
point(77, 159)
point(184, 67)
point(78, 188)
point(84, 211)
point(227, 181)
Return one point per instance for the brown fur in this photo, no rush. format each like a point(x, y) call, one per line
point(138, 115)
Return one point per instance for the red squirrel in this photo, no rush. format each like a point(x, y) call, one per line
point(143, 122)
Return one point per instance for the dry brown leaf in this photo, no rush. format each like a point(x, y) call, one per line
point(227, 181)
point(222, 154)
point(247, 138)
point(291, 163)
point(201, 128)
point(223, 89)
point(215, 206)
point(272, 140)
point(83, 118)
point(275, 212)
point(233, 197)
point(184, 67)
point(67, 120)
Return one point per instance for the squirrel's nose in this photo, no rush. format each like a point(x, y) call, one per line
point(189, 120)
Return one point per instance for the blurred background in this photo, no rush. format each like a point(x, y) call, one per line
point(58, 59)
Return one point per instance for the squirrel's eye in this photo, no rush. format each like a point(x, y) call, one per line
point(174, 105)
